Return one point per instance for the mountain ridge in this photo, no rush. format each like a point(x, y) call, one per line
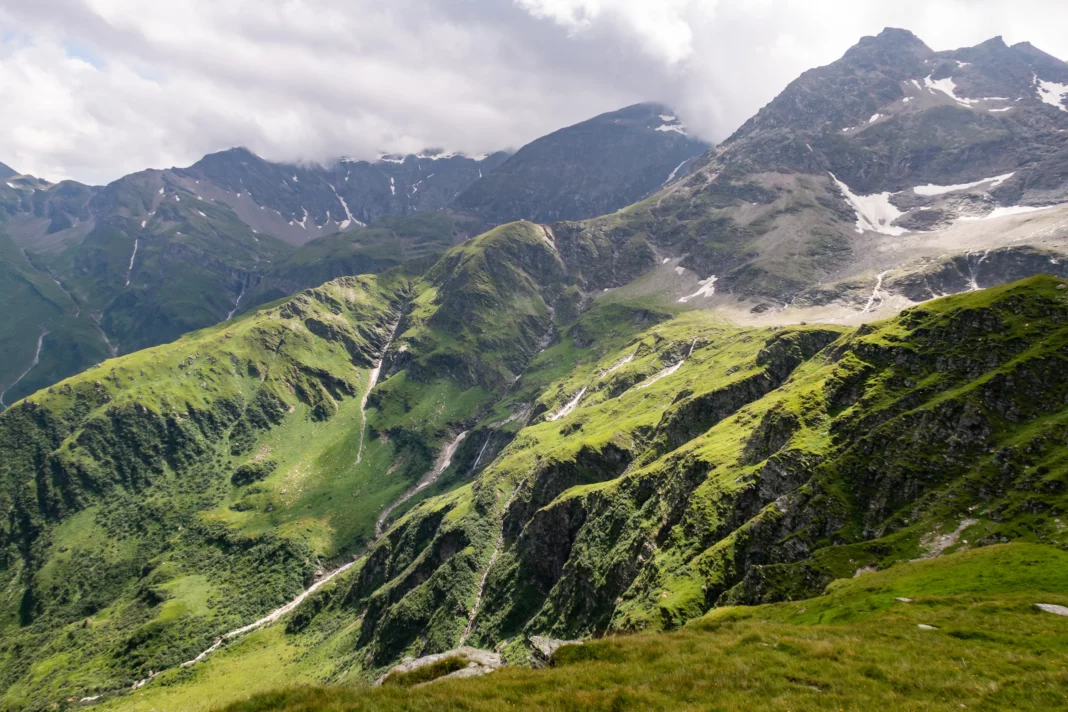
point(159, 253)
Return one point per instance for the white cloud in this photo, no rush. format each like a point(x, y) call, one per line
point(94, 89)
point(664, 27)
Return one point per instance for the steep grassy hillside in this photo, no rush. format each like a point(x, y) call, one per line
point(160, 263)
point(172, 263)
point(166, 497)
point(717, 466)
point(128, 538)
point(859, 647)
point(647, 468)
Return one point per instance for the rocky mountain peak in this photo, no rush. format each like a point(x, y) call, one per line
point(894, 37)
point(591, 168)
point(892, 49)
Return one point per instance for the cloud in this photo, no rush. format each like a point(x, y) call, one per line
point(94, 89)
point(664, 28)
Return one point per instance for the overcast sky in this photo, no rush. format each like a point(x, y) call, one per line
point(95, 89)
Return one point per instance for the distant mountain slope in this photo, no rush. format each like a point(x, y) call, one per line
point(159, 253)
point(387, 242)
point(892, 114)
point(44, 332)
point(589, 169)
point(300, 203)
point(892, 175)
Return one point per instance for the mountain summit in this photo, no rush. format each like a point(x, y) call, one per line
point(592, 168)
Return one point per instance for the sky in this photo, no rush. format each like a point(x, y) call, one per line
point(95, 89)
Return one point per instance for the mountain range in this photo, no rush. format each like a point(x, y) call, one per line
point(109, 270)
point(621, 384)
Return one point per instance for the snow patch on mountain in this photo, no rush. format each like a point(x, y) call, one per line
point(619, 364)
point(947, 87)
point(1005, 211)
point(1051, 93)
point(875, 213)
point(129, 270)
point(349, 219)
point(662, 374)
point(708, 288)
point(932, 189)
point(669, 178)
point(567, 409)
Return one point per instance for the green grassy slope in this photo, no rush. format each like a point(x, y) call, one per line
point(160, 261)
point(129, 539)
point(648, 469)
point(191, 262)
point(168, 496)
point(856, 648)
point(625, 468)
point(652, 500)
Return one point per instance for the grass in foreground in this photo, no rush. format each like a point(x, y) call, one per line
point(856, 648)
